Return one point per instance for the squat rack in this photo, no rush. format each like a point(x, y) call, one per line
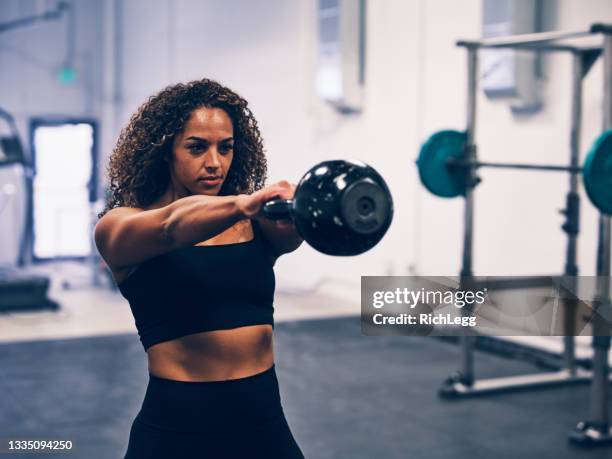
point(598, 429)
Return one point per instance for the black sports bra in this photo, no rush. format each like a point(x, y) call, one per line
point(202, 288)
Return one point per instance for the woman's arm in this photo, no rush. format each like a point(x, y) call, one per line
point(128, 236)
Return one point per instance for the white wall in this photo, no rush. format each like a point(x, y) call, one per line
point(416, 82)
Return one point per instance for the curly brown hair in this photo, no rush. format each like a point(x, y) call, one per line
point(138, 174)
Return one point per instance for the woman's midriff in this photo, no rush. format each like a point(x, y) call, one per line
point(214, 355)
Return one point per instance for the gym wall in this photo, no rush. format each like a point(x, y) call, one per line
point(415, 84)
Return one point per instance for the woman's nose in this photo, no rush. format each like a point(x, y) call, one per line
point(212, 159)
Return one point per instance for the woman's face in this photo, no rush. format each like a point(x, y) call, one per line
point(202, 154)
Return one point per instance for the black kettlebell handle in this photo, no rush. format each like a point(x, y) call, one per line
point(278, 209)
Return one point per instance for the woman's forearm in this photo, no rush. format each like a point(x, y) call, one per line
point(196, 218)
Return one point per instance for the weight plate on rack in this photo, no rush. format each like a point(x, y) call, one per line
point(597, 173)
point(435, 173)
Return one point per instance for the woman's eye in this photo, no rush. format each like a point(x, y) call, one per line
point(227, 148)
point(196, 147)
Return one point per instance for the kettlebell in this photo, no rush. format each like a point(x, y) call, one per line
point(340, 207)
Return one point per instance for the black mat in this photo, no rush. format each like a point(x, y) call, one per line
point(346, 396)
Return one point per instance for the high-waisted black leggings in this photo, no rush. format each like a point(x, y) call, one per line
point(235, 419)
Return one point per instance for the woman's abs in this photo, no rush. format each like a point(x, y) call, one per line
point(215, 355)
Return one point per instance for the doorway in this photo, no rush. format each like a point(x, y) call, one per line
point(63, 188)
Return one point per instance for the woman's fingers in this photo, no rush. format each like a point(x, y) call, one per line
point(285, 189)
point(252, 204)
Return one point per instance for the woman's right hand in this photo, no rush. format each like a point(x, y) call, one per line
point(251, 205)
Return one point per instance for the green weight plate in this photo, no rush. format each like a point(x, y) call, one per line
point(432, 163)
point(597, 173)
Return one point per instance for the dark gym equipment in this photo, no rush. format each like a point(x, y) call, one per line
point(443, 168)
point(437, 177)
point(339, 208)
point(11, 150)
point(597, 429)
point(20, 289)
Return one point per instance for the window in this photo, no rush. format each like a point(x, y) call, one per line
point(63, 187)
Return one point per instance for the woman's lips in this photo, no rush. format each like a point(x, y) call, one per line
point(209, 181)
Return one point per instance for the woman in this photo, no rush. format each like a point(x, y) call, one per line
point(184, 236)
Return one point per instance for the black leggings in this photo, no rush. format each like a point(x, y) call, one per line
point(235, 419)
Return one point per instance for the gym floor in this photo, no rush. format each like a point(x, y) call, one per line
point(58, 384)
point(88, 390)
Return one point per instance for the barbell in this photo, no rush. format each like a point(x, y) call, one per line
point(339, 207)
point(445, 170)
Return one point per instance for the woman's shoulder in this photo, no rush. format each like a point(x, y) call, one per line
point(127, 210)
point(108, 222)
point(114, 215)
point(123, 210)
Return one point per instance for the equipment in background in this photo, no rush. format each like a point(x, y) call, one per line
point(597, 173)
point(20, 289)
point(23, 291)
point(434, 166)
point(447, 167)
point(443, 168)
point(10, 149)
point(339, 208)
point(49, 15)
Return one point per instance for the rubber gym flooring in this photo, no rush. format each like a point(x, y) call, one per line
point(346, 396)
